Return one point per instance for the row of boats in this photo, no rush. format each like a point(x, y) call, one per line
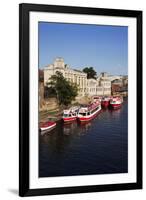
point(84, 113)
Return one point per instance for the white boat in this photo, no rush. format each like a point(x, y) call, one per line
point(70, 114)
point(116, 102)
point(89, 112)
point(47, 126)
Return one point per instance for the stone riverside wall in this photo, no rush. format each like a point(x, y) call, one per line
point(49, 104)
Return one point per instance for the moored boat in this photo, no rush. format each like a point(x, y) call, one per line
point(116, 102)
point(47, 126)
point(70, 114)
point(89, 112)
point(105, 102)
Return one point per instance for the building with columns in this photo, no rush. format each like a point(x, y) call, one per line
point(89, 87)
point(101, 86)
point(72, 75)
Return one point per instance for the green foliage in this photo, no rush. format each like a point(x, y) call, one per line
point(91, 73)
point(65, 91)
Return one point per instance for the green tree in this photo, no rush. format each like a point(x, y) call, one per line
point(91, 73)
point(65, 91)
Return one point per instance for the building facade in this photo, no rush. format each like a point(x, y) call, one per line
point(90, 87)
point(72, 75)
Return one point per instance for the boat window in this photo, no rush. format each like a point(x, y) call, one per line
point(65, 115)
point(88, 113)
point(83, 114)
point(69, 115)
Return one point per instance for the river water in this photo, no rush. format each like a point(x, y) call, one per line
point(97, 147)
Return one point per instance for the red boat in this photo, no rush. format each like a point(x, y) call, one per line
point(70, 114)
point(89, 112)
point(47, 126)
point(116, 102)
point(105, 102)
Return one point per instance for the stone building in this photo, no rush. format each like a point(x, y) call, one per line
point(87, 87)
point(104, 84)
point(100, 86)
point(116, 85)
point(125, 81)
point(72, 75)
point(120, 86)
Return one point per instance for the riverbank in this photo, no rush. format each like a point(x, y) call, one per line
point(54, 113)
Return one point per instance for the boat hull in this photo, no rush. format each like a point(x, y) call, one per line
point(69, 119)
point(115, 106)
point(48, 128)
point(104, 103)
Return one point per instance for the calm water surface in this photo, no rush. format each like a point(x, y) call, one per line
point(97, 147)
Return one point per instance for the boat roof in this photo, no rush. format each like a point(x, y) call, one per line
point(71, 109)
point(66, 111)
point(89, 106)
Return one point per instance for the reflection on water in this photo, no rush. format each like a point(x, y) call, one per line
point(95, 147)
point(81, 128)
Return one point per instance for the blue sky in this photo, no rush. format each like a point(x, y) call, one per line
point(105, 48)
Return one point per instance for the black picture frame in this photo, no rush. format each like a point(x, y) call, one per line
point(24, 106)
